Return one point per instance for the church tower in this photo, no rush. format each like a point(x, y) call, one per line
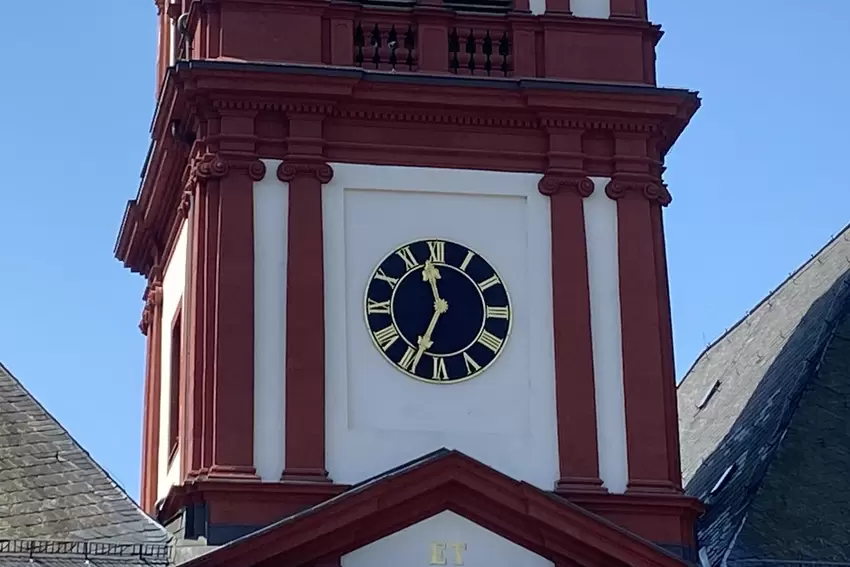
point(385, 232)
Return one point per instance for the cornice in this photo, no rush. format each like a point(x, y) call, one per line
point(198, 91)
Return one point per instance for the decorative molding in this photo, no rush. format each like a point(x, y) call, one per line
point(612, 125)
point(552, 183)
point(463, 119)
point(185, 204)
point(320, 170)
point(207, 166)
point(649, 189)
point(496, 502)
point(257, 170)
point(153, 300)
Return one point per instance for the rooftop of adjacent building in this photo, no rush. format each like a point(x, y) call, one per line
point(763, 424)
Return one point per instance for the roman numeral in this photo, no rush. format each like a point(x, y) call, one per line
point(490, 341)
point(440, 372)
point(408, 359)
point(471, 365)
point(386, 337)
point(373, 306)
point(408, 257)
point(497, 312)
point(489, 282)
point(382, 276)
point(469, 255)
point(438, 251)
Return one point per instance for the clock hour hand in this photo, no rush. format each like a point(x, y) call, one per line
point(431, 274)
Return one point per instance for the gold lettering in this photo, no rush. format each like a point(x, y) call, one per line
point(459, 549)
point(489, 282)
point(438, 251)
point(440, 372)
point(386, 337)
point(497, 312)
point(469, 255)
point(408, 257)
point(438, 553)
point(490, 341)
point(471, 365)
point(382, 276)
point(407, 360)
point(373, 306)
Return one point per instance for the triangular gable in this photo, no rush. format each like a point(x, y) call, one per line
point(540, 522)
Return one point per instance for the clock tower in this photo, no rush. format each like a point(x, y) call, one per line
point(385, 237)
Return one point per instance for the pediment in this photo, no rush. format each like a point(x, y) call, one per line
point(445, 538)
point(445, 498)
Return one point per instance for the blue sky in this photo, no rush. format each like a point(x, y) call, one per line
point(758, 181)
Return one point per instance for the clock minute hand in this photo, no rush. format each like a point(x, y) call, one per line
point(440, 307)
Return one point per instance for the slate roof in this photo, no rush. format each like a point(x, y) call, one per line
point(51, 489)
point(749, 384)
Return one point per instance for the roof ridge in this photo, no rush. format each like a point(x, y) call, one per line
point(799, 270)
point(77, 445)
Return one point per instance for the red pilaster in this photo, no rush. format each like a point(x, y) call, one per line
point(648, 425)
point(567, 185)
point(151, 326)
point(305, 171)
point(223, 318)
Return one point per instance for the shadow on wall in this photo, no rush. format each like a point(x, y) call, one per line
point(729, 479)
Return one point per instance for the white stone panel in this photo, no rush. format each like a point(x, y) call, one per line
point(444, 539)
point(271, 210)
point(378, 418)
point(591, 8)
point(173, 286)
point(600, 217)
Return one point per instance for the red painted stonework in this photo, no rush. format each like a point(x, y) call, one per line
point(238, 115)
point(574, 383)
point(551, 527)
point(305, 316)
point(651, 426)
point(151, 326)
point(317, 32)
point(567, 185)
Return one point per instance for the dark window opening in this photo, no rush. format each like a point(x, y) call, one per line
point(176, 383)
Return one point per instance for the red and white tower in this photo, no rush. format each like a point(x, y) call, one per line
point(299, 143)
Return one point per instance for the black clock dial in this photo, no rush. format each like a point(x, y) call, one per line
point(438, 311)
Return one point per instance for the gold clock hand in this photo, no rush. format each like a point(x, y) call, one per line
point(431, 274)
point(440, 307)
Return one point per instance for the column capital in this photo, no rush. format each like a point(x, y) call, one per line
point(651, 190)
point(207, 165)
point(554, 182)
point(289, 170)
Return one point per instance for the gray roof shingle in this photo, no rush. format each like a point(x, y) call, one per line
point(50, 488)
point(749, 383)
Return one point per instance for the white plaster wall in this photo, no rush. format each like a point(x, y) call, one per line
point(439, 540)
point(591, 8)
point(378, 418)
point(271, 209)
point(600, 218)
point(173, 285)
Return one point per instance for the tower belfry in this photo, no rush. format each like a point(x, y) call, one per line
point(410, 242)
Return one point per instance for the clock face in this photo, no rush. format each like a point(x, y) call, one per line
point(438, 311)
